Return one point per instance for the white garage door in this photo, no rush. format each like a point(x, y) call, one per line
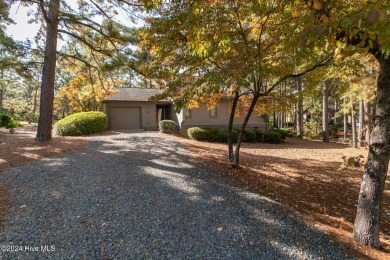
point(125, 118)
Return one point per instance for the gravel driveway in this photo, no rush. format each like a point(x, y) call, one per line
point(138, 195)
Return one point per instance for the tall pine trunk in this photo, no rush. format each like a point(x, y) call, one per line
point(34, 110)
point(367, 120)
point(366, 227)
point(325, 111)
point(1, 97)
point(345, 121)
point(45, 122)
point(361, 124)
point(1, 89)
point(353, 119)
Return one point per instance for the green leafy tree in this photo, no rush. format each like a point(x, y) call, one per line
point(362, 26)
point(204, 49)
point(90, 23)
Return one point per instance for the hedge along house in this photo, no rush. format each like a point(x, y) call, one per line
point(135, 108)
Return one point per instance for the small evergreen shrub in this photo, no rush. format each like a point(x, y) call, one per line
point(31, 118)
point(212, 134)
point(197, 133)
point(5, 119)
point(249, 136)
point(167, 126)
point(83, 123)
point(272, 137)
point(283, 132)
point(13, 124)
point(223, 137)
point(334, 129)
point(259, 135)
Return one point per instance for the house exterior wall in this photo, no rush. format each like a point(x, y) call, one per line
point(201, 117)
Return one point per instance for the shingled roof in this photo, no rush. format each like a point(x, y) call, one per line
point(134, 94)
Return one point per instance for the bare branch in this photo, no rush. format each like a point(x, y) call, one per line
point(318, 65)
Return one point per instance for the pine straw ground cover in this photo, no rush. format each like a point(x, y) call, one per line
point(20, 147)
point(304, 176)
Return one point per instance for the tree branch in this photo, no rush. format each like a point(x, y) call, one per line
point(90, 45)
point(318, 65)
point(42, 7)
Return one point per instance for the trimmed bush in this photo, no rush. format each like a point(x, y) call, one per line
point(259, 135)
point(4, 119)
point(223, 138)
point(212, 134)
point(83, 123)
point(197, 133)
point(249, 136)
point(272, 137)
point(167, 126)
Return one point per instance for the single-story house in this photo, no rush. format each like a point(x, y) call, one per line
point(135, 108)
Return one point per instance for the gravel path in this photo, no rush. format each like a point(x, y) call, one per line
point(138, 195)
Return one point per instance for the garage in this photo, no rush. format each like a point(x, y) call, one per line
point(125, 118)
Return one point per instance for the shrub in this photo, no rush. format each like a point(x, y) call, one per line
point(83, 123)
point(167, 126)
point(259, 135)
point(31, 118)
point(5, 119)
point(212, 134)
point(13, 124)
point(197, 133)
point(272, 137)
point(334, 129)
point(249, 136)
point(283, 132)
point(223, 138)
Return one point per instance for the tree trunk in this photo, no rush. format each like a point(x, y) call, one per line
point(1, 88)
point(325, 111)
point(230, 127)
point(373, 114)
point(35, 101)
point(361, 123)
point(1, 97)
point(335, 111)
point(353, 118)
point(45, 122)
point(345, 126)
point(235, 162)
point(366, 227)
point(367, 120)
point(274, 120)
point(345, 119)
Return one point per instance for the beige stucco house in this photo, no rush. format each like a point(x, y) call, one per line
point(134, 108)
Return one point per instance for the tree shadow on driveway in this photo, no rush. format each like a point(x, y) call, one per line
point(141, 196)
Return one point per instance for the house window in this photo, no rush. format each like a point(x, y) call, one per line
point(213, 112)
point(187, 113)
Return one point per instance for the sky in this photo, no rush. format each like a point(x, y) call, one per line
point(22, 30)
